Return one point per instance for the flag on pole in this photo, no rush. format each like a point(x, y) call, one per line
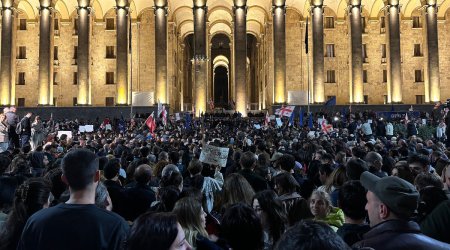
point(151, 124)
point(406, 119)
point(310, 121)
point(160, 108)
point(164, 115)
point(291, 119)
point(193, 109)
point(187, 124)
point(267, 119)
point(300, 120)
point(285, 111)
point(306, 36)
point(331, 102)
point(211, 104)
point(326, 128)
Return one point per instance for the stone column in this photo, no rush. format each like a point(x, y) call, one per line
point(356, 69)
point(431, 51)
point(200, 60)
point(240, 55)
point(317, 48)
point(46, 53)
point(161, 10)
point(279, 52)
point(83, 57)
point(123, 19)
point(7, 69)
point(394, 65)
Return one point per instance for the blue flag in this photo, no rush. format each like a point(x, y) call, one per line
point(121, 124)
point(331, 102)
point(344, 114)
point(187, 124)
point(291, 119)
point(300, 121)
point(310, 121)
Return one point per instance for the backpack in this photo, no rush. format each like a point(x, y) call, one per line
point(19, 128)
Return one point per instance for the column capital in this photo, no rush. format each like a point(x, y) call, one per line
point(87, 8)
point(123, 4)
point(392, 3)
point(429, 3)
point(158, 7)
point(4, 8)
point(275, 7)
point(316, 3)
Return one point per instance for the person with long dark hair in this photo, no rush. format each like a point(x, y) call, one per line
point(30, 197)
point(157, 231)
point(272, 215)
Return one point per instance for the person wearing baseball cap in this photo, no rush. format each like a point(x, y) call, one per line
point(391, 202)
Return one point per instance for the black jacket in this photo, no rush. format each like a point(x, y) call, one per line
point(140, 198)
point(118, 197)
point(256, 181)
point(399, 235)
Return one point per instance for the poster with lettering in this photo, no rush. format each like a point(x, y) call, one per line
point(214, 155)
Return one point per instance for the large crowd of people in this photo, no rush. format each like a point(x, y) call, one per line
point(361, 185)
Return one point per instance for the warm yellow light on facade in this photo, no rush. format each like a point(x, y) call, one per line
point(122, 95)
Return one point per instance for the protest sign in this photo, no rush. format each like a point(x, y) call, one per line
point(214, 155)
point(68, 133)
point(81, 129)
point(89, 128)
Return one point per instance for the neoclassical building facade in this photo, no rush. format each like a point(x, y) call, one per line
point(252, 53)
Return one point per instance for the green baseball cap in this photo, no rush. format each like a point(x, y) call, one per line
point(399, 195)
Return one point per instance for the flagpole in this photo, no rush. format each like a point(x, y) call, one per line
point(307, 64)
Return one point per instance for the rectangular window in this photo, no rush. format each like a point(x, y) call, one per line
point(329, 22)
point(109, 101)
point(366, 99)
point(110, 78)
point(364, 53)
point(420, 99)
point(383, 51)
point(22, 24)
point(74, 101)
point(55, 102)
point(75, 52)
point(110, 24)
point(385, 98)
point(55, 53)
point(21, 78)
point(417, 24)
point(365, 76)
point(331, 76)
point(55, 78)
point(417, 50)
point(75, 78)
point(56, 24)
point(75, 26)
point(382, 25)
point(363, 25)
point(21, 102)
point(418, 76)
point(384, 75)
point(329, 50)
point(22, 53)
point(110, 53)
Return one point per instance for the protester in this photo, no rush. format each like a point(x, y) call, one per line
point(391, 203)
point(78, 223)
point(157, 231)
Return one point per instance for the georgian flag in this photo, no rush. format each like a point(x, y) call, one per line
point(285, 111)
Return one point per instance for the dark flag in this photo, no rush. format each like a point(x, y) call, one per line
point(300, 120)
point(331, 102)
point(306, 36)
point(130, 37)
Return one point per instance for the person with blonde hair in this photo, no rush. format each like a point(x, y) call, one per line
point(192, 218)
point(322, 210)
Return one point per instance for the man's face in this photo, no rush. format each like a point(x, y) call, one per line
point(373, 209)
point(417, 168)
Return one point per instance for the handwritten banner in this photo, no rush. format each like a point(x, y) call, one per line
point(214, 155)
